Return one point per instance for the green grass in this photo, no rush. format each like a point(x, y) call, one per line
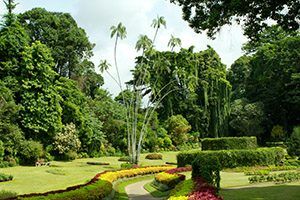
point(275, 192)
point(154, 191)
point(37, 179)
point(121, 185)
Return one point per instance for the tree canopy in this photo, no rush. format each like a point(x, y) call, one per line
point(210, 16)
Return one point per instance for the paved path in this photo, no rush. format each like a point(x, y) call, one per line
point(136, 191)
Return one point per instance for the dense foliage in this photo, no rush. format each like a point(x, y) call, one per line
point(228, 143)
point(236, 158)
point(211, 15)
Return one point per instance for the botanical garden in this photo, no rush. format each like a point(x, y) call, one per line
point(184, 127)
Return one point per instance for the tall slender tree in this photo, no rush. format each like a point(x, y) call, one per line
point(173, 42)
point(157, 23)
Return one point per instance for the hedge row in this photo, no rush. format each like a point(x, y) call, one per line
point(236, 158)
point(5, 177)
point(98, 188)
point(227, 143)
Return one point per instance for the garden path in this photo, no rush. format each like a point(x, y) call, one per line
point(136, 191)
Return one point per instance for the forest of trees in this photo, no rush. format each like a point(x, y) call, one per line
point(52, 104)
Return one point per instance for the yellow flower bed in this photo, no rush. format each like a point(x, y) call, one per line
point(166, 177)
point(179, 198)
point(127, 173)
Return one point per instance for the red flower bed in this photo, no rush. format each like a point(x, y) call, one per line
point(203, 191)
point(179, 169)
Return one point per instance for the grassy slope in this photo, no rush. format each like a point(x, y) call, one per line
point(36, 179)
point(275, 192)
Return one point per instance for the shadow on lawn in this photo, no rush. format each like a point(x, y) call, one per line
point(278, 192)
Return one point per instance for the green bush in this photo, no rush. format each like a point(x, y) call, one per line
point(98, 190)
point(97, 163)
point(68, 156)
point(236, 158)
point(277, 178)
point(1, 150)
point(229, 143)
point(124, 159)
point(154, 156)
point(208, 167)
point(30, 152)
point(294, 142)
point(7, 194)
point(5, 177)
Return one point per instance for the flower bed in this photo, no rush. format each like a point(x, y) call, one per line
point(169, 179)
point(276, 178)
point(98, 188)
point(196, 189)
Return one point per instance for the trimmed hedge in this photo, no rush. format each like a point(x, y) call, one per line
point(97, 163)
point(154, 156)
point(236, 158)
point(226, 143)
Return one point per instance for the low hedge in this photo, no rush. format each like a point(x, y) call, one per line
point(236, 158)
point(154, 156)
point(98, 188)
point(97, 163)
point(277, 178)
point(226, 143)
point(5, 177)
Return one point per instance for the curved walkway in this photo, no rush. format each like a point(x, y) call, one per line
point(136, 191)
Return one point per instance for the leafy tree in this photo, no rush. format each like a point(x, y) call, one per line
point(40, 116)
point(10, 135)
point(211, 15)
point(274, 80)
point(246, 119)
point(278, 133)
point(271, 35)
point(178, 127)
point(238, 75)
point(69, 43)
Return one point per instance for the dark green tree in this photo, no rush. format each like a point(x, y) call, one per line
point(40, 116)
point(275, 81)
point(69, 43)
point(210, 16)
point(237, 75)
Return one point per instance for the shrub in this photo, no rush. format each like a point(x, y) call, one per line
point(294, 142)
point(7, 194)
point(236, 158)
point(97, 163)
point(68, 156)
point(278, 133)
point(128, 165)
point(277, 178)
point(229, 143)
point(124, 159)
point(259, 172)
point(67, 143)
point(5, 177)
point(30, 152)
point(154, 156)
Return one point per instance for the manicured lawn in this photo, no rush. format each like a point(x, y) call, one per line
point(275, 192)
point(65, 174)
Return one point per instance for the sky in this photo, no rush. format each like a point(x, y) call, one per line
point(97, 16)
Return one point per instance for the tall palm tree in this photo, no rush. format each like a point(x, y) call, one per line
point(103, 66)
point(143, 43)
point(157, 23)
point(120, 32)
point(173, 42)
